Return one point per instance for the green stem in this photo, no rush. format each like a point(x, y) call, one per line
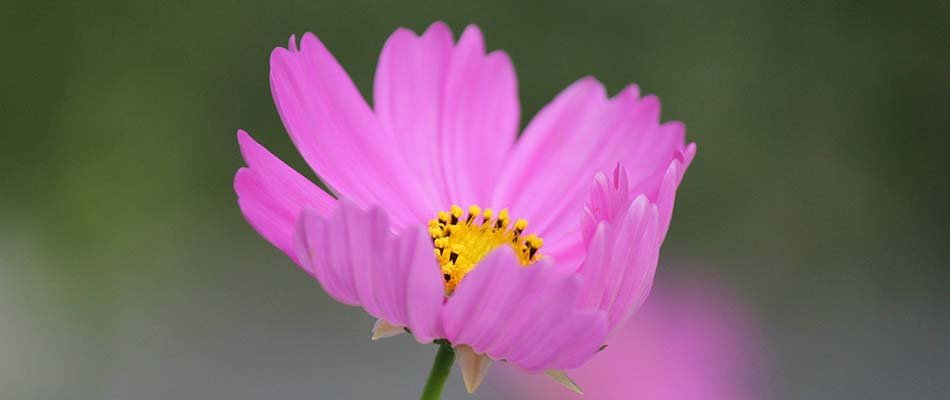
point(440, 371)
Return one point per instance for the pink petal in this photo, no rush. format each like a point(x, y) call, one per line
point(481, 116)
point(271, 195)
point(662, 185)
point(524, 315)
point(407, 96)
point(359, 260)
point(453, 109)
point(578, 134)
point(667, 190)
point(337, 133)
point(621, 262)
point(608, 197)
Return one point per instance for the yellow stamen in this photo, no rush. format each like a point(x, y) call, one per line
point(460, 243)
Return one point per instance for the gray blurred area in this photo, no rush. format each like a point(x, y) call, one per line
point(819, 194)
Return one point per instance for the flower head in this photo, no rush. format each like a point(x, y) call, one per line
point(560, 236)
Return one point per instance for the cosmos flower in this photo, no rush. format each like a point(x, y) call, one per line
point(559, 238)
point(691, 341)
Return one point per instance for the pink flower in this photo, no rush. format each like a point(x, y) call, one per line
point(691, 341)
point(595, 176)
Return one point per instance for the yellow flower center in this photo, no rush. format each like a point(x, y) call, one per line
point(462, 240)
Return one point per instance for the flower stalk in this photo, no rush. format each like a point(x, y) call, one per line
point(441, 367)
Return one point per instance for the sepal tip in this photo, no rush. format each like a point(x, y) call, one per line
point(383, 329)
point(564, 380)
point(474, 367)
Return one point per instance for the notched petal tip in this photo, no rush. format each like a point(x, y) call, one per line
point(564, 380)
point(292, 43)
point(474, 367)
point(244, 181)
point(247, 145)
point(592, 84)
point(383, 330)
point(687, 153)
point(632, 91)
point(438, 28)
point(472, 36)
point(620, 182)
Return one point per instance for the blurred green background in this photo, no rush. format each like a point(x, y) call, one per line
point(819, 194)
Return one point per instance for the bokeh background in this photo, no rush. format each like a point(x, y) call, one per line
point(819, 195)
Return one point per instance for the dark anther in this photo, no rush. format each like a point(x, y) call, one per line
point(447, 277)
point(498, 224)
point(453, 257)
point(531, 252)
